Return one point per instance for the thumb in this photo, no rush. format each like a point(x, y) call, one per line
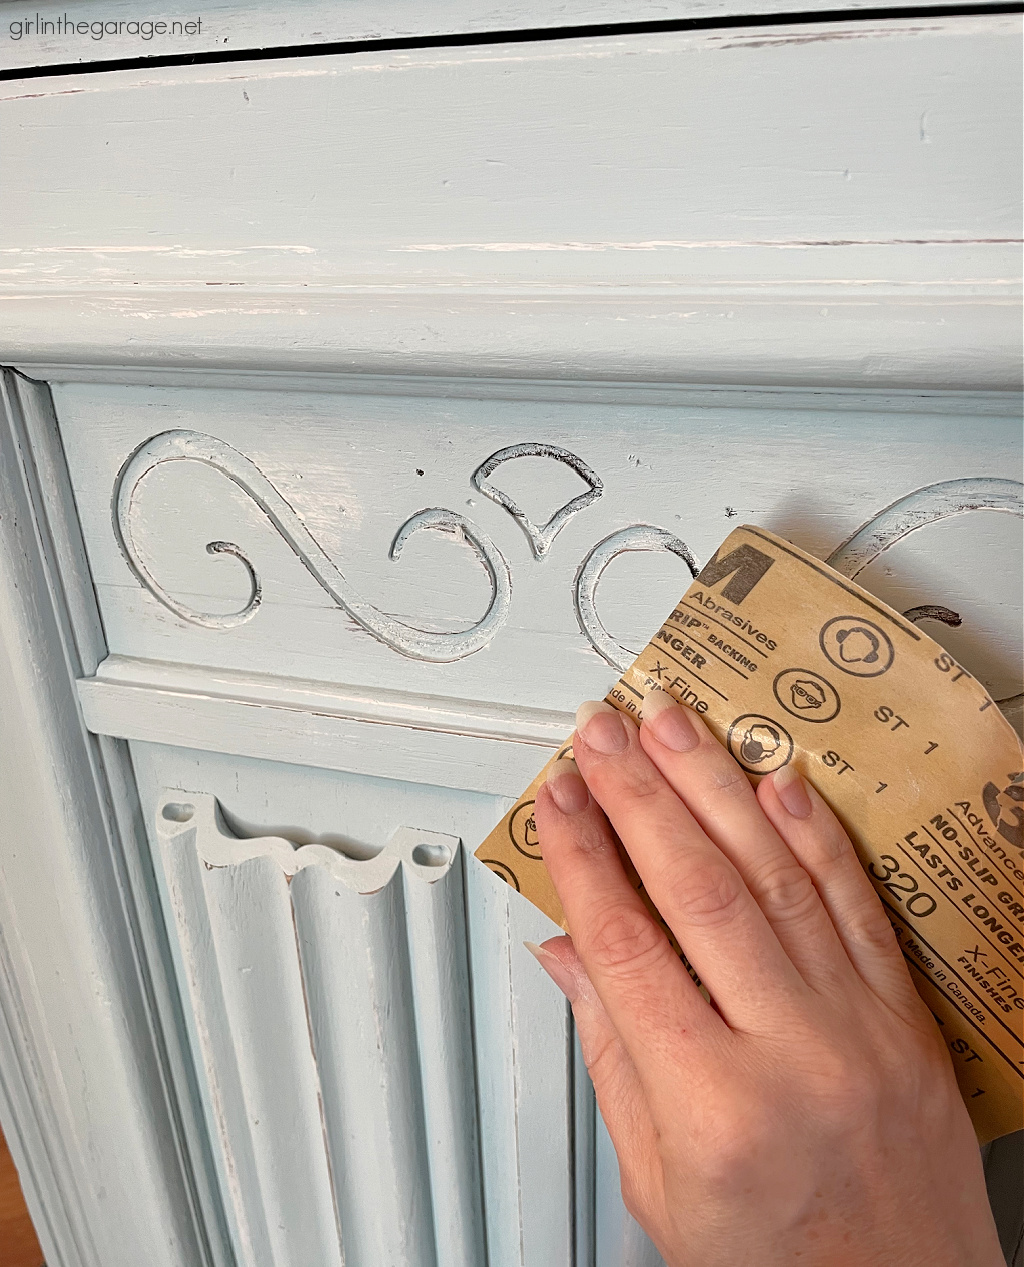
point(616, 1084)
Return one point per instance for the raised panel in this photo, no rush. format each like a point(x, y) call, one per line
point(387, 1072)
point(345, 472)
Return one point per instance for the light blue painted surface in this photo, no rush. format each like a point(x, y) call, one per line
point(390, 1005)
point(644, 208)
point(435, 916)
point(38, 37)
point(442, 1056)
point(359, 994)
point(689, 463)
point(205, 249)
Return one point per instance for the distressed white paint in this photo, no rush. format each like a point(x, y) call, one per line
point(539, 211)
point(190, 446)
point(564, 209)
point(474, 729)
point(688, 467)
point(524, 1083)
point(449, 743)
point(235, 25)
point(435, 918)
point(387, 1093)
point(88, 1099)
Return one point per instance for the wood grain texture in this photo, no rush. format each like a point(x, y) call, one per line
point(562, 210)
point(39, 38)
point(19, 1245)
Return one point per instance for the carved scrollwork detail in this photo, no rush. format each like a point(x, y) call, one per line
point(639, 537)
point(926, 506)
point(540, 537)
point(917, 509)
point(421, 644)
point(923, 506)
point(930, 611)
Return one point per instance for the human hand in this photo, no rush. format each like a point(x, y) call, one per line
point(811, 1116)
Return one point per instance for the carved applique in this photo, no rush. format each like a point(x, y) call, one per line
point(540, 537)
point(420, 644)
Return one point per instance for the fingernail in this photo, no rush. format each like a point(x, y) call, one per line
point(555, 969)
point(565, 783)
point(669, 722)
point(792, 791)
point(603, 728)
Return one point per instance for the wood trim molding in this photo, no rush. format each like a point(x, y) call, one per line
point(454, 743)
point(829, 337)
point(228, 26)
point(1002, 404)
point(96, 1082)
point(500, 219)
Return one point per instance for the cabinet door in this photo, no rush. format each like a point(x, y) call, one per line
point(334, 662)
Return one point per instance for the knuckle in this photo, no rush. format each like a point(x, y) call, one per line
point(707, 893)
point(832, 848)
point(626, 940)
point(733, 1138)
point(633, 1195)
point(786, 889)
point(868, 928)
point(644, 783)
point(601, 1054)
point(850, 1090)
point(729, 782)
point(594, 840)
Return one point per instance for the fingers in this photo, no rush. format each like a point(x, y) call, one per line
point(719, 796)
point(646, 992)
point(698, 891)
point(818, 841)
point(619, 1093)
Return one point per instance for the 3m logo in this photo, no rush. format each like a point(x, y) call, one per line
point(1005, 809)
point(744, 567)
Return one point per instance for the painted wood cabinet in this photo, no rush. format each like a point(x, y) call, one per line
point(363, 411)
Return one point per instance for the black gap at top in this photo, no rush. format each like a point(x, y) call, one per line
point(597, 31)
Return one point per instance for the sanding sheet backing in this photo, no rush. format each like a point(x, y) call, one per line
point(788, 661)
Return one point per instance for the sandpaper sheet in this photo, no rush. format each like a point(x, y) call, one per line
point(787, 661)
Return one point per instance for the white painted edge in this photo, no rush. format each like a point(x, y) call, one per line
point(75, 1010)
point(181, 813)
point(1004, 404)
point(810, 335)
point(475, 746)
point(240, 26)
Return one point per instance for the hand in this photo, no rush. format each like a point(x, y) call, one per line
point(810, 1116)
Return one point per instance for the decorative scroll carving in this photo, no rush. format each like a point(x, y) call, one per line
point(637, 537)
point(540, 538)
point(926, 506)
point(929, 611)
point(923, 506)
point(917, 509)
point(421, 644)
